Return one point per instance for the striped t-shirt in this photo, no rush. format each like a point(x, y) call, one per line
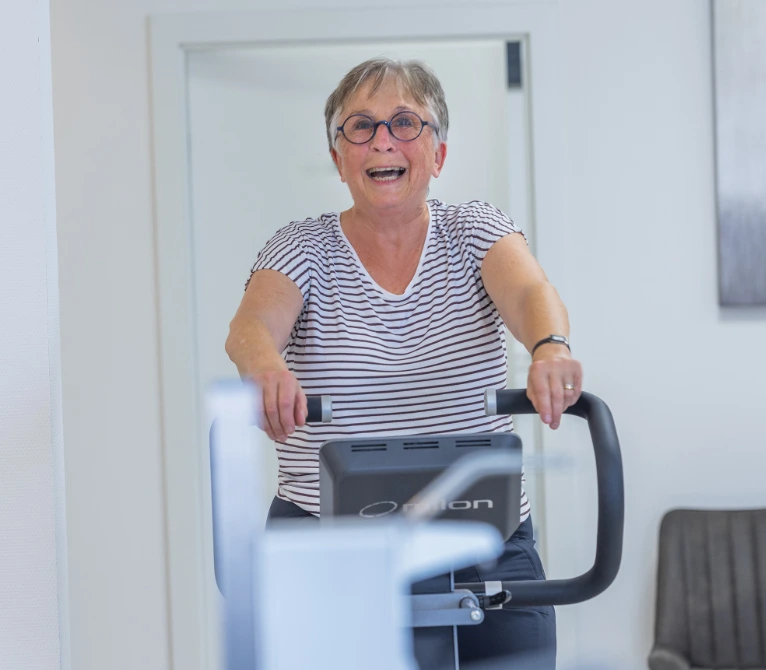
point(416, 363)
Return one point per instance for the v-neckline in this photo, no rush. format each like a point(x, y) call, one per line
point(386, 292)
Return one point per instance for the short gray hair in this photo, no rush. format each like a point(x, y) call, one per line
point(418, 80)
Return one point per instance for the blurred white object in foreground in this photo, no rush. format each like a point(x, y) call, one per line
point(333, 597)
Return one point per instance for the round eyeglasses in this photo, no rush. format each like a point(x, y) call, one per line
point(404, 126)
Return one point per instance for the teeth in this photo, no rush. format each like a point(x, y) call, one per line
point(392, 173)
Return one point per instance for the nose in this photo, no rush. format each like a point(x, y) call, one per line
point(382, 140)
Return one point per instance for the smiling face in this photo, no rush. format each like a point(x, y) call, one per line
point(386, 173)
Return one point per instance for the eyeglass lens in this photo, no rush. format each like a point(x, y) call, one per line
point(404, 126)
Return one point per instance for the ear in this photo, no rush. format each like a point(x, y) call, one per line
point(440, 155)
point(336, 158)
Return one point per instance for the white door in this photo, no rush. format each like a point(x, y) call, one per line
point(259, 159)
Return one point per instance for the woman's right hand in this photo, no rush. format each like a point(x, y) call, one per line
point(258, 333)
point(283, 402)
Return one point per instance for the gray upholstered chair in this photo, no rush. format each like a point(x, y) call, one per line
point(711, 591)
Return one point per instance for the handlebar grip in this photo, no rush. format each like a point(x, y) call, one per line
point(319, 409)
point(611, 502)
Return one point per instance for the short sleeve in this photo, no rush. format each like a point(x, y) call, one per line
point(488, 224)
point(286, 252)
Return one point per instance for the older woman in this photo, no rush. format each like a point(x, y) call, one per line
point(395, 307)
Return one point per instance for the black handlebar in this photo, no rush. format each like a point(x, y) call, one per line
point(319, 409)
point(611, 506)
point(610, 492)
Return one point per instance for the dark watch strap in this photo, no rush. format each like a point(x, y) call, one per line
point(552, 339)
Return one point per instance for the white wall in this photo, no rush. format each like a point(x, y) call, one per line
point(626, 230)
point(33, 590)
point(635, 260)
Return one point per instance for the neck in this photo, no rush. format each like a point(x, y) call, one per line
point(397, 226)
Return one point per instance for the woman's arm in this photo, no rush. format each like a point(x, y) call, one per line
point(532, 310)
point(257, 334)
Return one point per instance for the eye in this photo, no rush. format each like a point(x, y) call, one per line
point(361, 123)
point(405, 121)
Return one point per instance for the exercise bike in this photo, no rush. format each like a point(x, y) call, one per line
point(471, 482)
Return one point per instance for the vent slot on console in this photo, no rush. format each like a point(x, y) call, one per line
point(473, 442)
point(421, 444)
point(370, 446)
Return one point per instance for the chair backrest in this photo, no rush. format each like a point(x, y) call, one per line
point(711, 590)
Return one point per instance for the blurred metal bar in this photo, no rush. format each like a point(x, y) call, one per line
point(235, 487)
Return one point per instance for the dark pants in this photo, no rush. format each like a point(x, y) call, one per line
point(525, 636)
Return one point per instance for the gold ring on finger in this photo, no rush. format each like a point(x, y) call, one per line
point(569, 387)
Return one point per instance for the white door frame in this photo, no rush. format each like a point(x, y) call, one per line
point(171, 37)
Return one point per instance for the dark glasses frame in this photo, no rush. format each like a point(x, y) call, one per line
point(387, 124)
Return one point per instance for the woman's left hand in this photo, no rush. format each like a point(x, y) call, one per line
point(554, 383)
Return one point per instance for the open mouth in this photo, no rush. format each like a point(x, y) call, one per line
point(386, 173)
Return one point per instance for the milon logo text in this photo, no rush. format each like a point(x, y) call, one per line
point(388, 506)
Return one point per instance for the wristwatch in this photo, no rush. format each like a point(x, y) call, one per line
point(553, 339)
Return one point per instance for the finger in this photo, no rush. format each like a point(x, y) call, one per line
point(286, 403)
point(538, 390)
point(573, 387)
point(578, 382)
point(570, 393)
point(269, 431)
point(301, 408)
point(270, 410)
point(557, 398)
point(571, 397)
point(262, 422)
